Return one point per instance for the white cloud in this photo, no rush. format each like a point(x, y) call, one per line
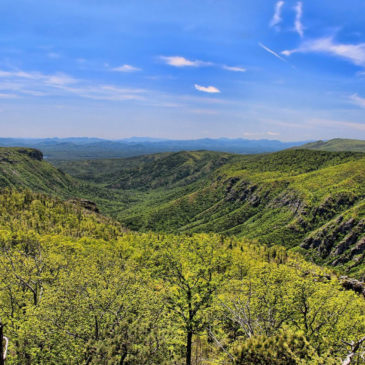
point(7, 96)
point(126, 68)
point(267, 49)
point(178, 61)
point(53, 55)
point(269, 133)
point(207, 89)
point(340, 123)
point(355, 53)
point(55, 79)
point(21, 83)
point(298, 26)
point(358, 100)
point(234, 68)
point(276, 19)
point(203, 111)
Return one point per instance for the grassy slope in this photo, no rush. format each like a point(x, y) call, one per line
point(281, 198)
point(337, 144)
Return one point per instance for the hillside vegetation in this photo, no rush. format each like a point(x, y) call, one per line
point(311, 201)
point(308, 201)
point(77, 288)
point(25, 168)
point(337, 144)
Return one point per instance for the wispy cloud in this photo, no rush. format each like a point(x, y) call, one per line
point(298, 26)
point(339, 123)
point(257, 135)
point(358, 100)
point(53, 79)
point(355, 53)
point(234, 68)
point(276, 19)
point(20, 83)
point(207, 89)
point(203, 111)
point(126, 68)
point(179, 61)
point(269, 133)
point(7, 96)
point(53, 55)
point(267, 49)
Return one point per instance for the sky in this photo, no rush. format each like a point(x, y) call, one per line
point(183, 69)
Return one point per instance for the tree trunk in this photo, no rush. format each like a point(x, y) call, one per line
point(189, 339)
point(2, 361)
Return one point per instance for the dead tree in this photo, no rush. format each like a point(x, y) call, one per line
point(355, 346)
point(2, 347)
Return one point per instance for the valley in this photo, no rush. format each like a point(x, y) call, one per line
point(296, 198)
point(158, 256)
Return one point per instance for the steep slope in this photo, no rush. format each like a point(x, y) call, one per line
point(289, 198)
point(76, 288)
point(311, 201)
point(25, 168)
point(337, 144)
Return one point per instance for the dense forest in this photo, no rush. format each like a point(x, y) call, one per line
point(309, 201)
point(193, 259)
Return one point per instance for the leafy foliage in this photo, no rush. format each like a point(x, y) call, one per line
point(76, 287)
point(309, 201)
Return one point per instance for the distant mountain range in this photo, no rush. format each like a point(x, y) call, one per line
point(94, 148)
point(82, 148)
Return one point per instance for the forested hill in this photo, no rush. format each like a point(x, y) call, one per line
point(76, 288)
point(337, 144)
point(312, 201)
point(148, 171)
point(25, 168)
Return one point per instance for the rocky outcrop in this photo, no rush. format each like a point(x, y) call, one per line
point(353, 284)
point(332, 204)
point(291, 200)
point(32, 153)
point(243, 192)
point(86, 204)
point(342, 240)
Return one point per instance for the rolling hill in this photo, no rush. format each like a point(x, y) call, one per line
point(337, 144)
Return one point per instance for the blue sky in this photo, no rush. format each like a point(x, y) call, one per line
point(288, 70)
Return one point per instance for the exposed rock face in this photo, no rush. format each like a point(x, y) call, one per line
point(329, 206)
point(86, 204)
point(31, 152)
point(342, 239)
point(290, 200)
point(353, 284)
